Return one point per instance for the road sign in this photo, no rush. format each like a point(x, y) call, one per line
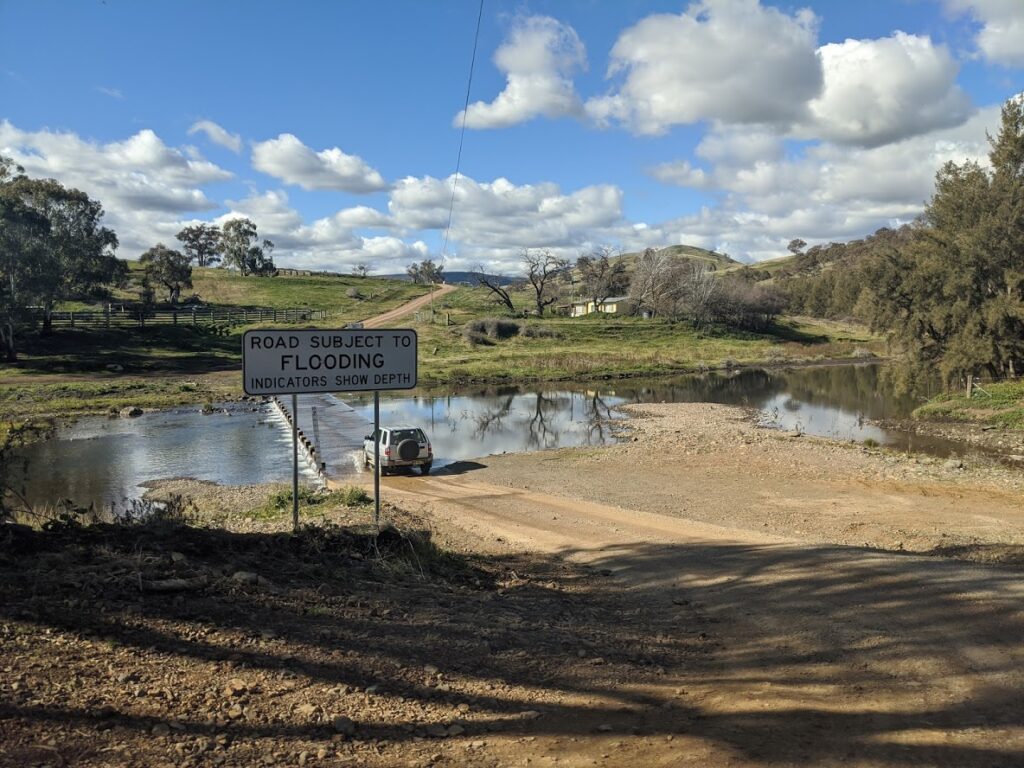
point(287, 362)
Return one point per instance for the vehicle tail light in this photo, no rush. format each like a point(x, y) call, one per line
point(387, 452)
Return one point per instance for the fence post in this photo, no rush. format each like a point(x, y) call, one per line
point(194, 321)
point(275, 315)
point(72, 316)
point(106, 314)
point(174, 317)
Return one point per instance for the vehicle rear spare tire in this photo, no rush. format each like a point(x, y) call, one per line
point(408, 450)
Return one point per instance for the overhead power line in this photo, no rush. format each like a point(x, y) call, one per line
point(462, 134)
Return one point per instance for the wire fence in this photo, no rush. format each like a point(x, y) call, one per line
point(135, 316)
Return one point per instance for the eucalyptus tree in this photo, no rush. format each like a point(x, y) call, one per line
point(169, 268)
point(241, 248)
point(201, 243)
point(75, 257)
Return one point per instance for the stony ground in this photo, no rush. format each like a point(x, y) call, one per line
point(189, 646)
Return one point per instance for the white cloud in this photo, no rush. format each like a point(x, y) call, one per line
point(739, 146)
point(829, 192)
point(291, 161)
point(113, 93)
point(539, 59)
point(879, 91)
point(495, 220)
point(144, 185)
point(217, 135)
point(1001, 37)
point(681, 173)
point(739, 63)
point(328, 243)
point(140, 181)
point(728, 60)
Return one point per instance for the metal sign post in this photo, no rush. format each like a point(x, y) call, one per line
point(294, 362)
point(295, 462)
point(376, 459)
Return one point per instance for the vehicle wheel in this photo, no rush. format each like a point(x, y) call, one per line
point(425, 469)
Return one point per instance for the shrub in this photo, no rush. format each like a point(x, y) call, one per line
point(494, 327)
point(538, 332)
point(473, 337)
point(353, 293)
point(353, 496)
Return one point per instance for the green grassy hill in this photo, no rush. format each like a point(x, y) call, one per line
point(719, 261)
point(345, 298)
point(328, 292)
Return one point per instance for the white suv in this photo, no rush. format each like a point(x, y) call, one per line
point(401, 446)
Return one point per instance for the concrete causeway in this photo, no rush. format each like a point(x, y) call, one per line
point(340, 429)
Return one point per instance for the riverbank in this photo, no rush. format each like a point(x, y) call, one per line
point(713, 464)
point(993, 417)
point(560, 348)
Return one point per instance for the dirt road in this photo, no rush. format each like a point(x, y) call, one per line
point(382, 320)
point(818, 654)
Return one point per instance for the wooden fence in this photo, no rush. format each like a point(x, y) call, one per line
point(119, 316)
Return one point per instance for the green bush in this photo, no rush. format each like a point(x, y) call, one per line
point(352, 496)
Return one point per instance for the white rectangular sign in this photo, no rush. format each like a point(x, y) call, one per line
point(284, 362)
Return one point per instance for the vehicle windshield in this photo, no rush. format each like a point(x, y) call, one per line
point(398, 435)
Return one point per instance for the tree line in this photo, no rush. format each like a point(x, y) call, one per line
point(54, 248)
point(946, 290)
point(660, 284)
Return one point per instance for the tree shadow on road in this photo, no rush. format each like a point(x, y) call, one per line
point(765, 655)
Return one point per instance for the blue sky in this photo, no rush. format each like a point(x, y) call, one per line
point(730, 124)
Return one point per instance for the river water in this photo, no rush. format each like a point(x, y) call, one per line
point(106, 461)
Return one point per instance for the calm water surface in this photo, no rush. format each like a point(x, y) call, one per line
point(109, 460)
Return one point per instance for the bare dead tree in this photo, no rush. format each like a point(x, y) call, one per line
point(543, 269)
point(656, 284)
point(699, 287)
point(603, 274)
point(498, 292)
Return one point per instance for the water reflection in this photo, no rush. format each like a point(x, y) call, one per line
point(104, 461)
point(497, 420)
point(107, 460)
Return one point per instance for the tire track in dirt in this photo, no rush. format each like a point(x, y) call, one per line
point(385, 318)
point(893, 651)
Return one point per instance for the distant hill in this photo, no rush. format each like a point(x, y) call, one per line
point(718, 261)
point(457, 276)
